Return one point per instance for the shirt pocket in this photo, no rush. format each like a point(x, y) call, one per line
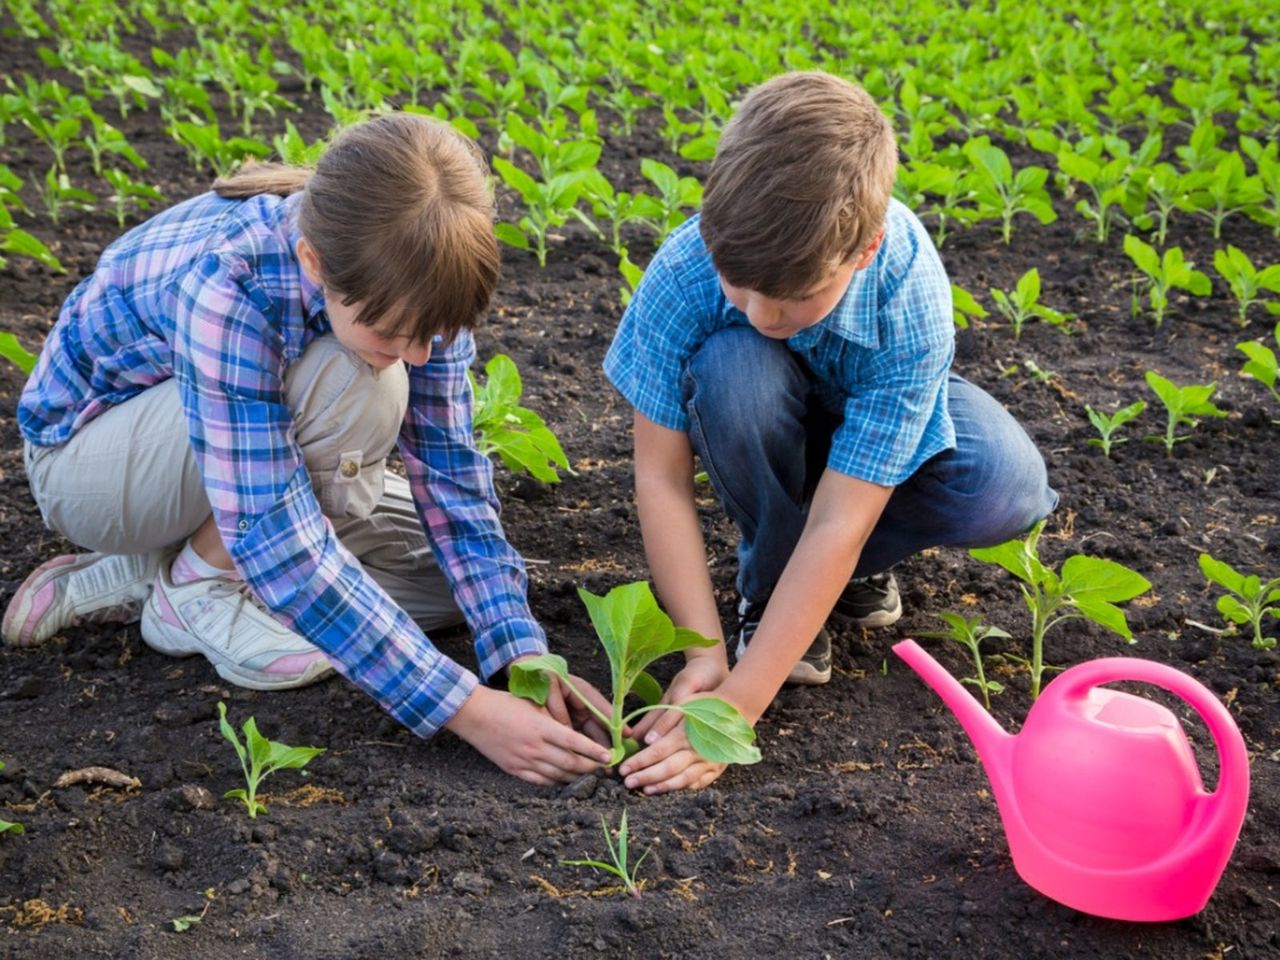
point(353, 487)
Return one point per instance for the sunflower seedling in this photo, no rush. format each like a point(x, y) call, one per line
point(969, 632)
point(1247, 282)
point(1162, 274)
point(618, 855)
point(519, 437)
point(259, 758)
point(1249, 599)
point(1261, 364)
point(1023, 303)
point(634, 632)
point(1088, 588)
point(1108, 425)
point(1183, 405)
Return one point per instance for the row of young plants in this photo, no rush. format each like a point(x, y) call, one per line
point(542, 103)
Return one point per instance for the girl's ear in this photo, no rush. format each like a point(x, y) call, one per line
point(309, 260)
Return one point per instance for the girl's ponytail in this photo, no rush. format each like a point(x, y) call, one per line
point(254, 178)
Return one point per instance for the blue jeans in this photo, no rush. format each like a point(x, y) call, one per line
point(763, 438)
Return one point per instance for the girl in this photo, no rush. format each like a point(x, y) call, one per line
point(212, 413)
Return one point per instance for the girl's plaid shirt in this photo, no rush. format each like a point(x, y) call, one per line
point(210, 293)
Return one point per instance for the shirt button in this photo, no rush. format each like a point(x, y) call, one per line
point(349, 469)
point(243, 524)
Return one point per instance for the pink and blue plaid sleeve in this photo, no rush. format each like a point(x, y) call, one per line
point(228, 366)
point(452, 484)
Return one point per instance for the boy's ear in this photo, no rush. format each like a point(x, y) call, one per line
point(869, 251)
point(309, 260)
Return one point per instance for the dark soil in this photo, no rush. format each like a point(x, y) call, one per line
point(868, 830)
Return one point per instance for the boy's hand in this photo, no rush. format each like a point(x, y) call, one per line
point(670, 764)
point(703, 672)
point(524, 740)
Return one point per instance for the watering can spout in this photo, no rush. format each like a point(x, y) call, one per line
point(989, 738)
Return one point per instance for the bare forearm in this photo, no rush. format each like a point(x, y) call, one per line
point(676, 552)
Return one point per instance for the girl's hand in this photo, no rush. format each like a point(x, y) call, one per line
point(670, 764)
point(701, 674)
point(525, 740)
point(568, 709)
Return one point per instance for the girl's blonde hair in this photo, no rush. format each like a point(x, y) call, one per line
point(399, 212)
point(800, 183)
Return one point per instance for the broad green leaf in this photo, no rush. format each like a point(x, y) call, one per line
point(1221, 573)
point(1105, 615)
point(517, 179)
point(229, 733)
point(1028, 289)
point(1143, 255)
point(528, 678)
point(511, 235)
point(718, 732)
point(1089, 579)
point(284, 757)
point(14, 351)
point(647, 689)
point(1233, 609)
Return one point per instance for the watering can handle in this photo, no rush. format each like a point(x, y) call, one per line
point(1233, 781)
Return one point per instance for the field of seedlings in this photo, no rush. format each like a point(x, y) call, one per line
point(1103, 184)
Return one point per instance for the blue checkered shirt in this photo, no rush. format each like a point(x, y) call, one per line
point(880, 359)
point(210, 293)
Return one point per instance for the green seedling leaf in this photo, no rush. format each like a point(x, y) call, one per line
point(1248, 599)
point(259, 758)
point(528, 678)
point(717, 731)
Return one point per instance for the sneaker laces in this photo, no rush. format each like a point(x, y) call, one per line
point(227, 587)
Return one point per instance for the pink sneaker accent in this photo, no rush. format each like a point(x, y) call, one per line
point(78, 588)
point(295, 663)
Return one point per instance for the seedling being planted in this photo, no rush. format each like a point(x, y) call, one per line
point(1249, 599)
point(1108, 425)
point(7, 827)
point(1183, 405)
point(618, 855)
point(259, 758)
point(1023, 303)
point(969, 632)
point(635, 632)
point(1088, 588)
point(1163, 274)
point(519, 437)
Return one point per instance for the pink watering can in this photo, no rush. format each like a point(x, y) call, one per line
point(1100, 794)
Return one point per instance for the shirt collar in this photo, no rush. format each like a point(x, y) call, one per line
point(854, 317)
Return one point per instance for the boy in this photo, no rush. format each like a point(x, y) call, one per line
point(798, 337)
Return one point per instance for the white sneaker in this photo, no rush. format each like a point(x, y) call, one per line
point(78, 588)
point(223, 620)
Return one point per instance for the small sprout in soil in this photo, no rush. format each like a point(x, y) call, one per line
point(259, 758)
point(1183, 405)
point(1088, 588)
point(1162, 274)
point(969, 632)
point(6, 826)
point(1261, 364)
point(519, 437)
point(1247, 282)
point(634, 632)
point(1023, 303)
point(617, 856)
point(1108, 425)
point(1249, 599)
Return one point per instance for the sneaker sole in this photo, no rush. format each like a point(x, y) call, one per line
point(880, 618)
point(19, 626)
point(166, 639)
point(803, 674)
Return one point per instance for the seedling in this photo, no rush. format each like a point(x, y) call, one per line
point(1223, 191)
point(519, 437)
point(676, 195)
point(16, 353)
point(969, 632)
point(1249, 599)
point(1163, 274)
point(963, 306)
point(259, 758)
point(1183, 405)
point(127, 192)
point(1247, 282)
point(1108, 425)
point(634, 632)
point(1261, 364)
point(7, 827)
point(618, 854)
point(1023, 303)
point(548, 204)
point(1088, 588)
point(999, 193)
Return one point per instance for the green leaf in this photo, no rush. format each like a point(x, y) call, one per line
point(1089, 579)
point(718, 732)
point(1221, 573)
point(528, 678)
point(1233, 610)
point(1143, 255)
point(1105, 615)
point(229, 733)
point(647, 689)
point(14, 351)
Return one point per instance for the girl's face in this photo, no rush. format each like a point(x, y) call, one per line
point(780, 319)
point(379, 350)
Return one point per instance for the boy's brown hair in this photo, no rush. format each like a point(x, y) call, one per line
point(800, 183)
point(399, 212)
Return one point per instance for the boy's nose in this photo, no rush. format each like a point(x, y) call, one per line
point(416, 354)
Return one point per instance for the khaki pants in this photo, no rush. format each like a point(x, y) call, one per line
point(128, 482)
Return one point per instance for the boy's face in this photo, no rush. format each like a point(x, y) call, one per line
point(780, 319)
